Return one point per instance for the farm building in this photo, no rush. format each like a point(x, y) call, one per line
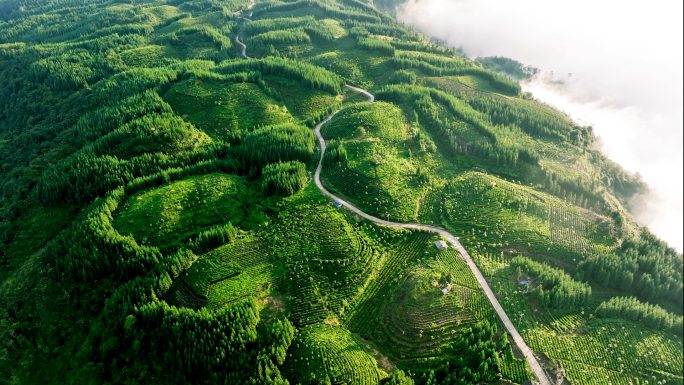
point(446, 290)
point(441, 245)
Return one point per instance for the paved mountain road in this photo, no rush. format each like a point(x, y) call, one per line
point(520, 343)
point(371, 97)
point(243, 46)
point(517, 338)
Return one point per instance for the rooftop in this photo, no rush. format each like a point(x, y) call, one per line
point(441, 245)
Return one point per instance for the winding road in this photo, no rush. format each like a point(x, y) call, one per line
point(243, 46)
point(517, 338)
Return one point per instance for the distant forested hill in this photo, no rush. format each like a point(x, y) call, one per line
point(511, 67)
point(159, 224)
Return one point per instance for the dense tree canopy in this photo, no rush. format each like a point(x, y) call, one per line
point(158, 224)
point(556, 288)
point(284, 178)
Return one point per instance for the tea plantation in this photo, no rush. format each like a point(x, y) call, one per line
point(159, 220)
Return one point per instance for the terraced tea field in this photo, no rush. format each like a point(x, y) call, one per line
point(497, 213)
point(202, 191)
point(328, 354)
point(479, 306)
point(589, 350)
point(326, 270)
point(378, 168)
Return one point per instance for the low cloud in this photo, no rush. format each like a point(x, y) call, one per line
point(620, 64)
point(641, 141)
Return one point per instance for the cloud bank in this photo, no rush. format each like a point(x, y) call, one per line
point(621, 64)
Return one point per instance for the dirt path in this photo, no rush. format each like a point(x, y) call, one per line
point(517, 338)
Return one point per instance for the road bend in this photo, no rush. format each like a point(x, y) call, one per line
point(517, 338)
point(243, 46)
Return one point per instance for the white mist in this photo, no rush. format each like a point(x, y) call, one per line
point(621, 64)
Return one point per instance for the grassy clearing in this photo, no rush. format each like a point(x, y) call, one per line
point(219, 109)
point(173, 213)
point(191, 45)
point(345, 58)
point(300, 101)
point(163, 12)
point(377, 188)
point(379, 120)
point(555, 155)
point(477, 83)
point(145, 56)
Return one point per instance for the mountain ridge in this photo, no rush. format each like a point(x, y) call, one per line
point(159, 222)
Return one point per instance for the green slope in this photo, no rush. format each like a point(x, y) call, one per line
point(142, 239)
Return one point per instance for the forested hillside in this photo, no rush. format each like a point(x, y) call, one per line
point(159, 222)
